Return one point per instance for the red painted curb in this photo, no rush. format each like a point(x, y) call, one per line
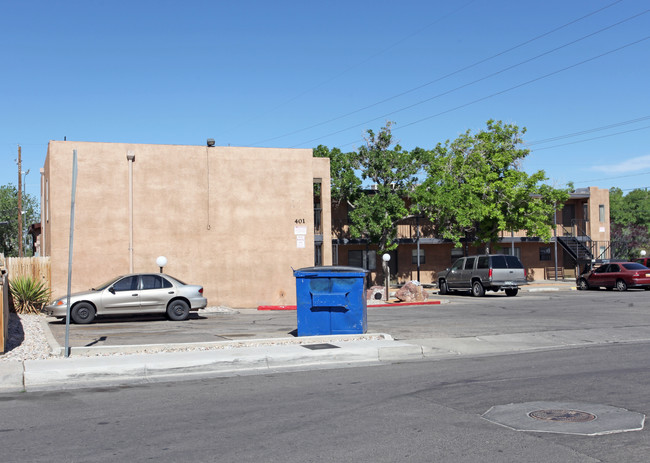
point(277, 307)
point(394, 304)
point(397, 304)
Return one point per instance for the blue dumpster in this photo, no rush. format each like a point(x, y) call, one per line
point(331, 300)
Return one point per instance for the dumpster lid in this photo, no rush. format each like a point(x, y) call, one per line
point(331, 269)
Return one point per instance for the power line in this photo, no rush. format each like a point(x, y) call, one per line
point(593, 138)
point(485, 97)
point(613, 178)
point(584, 132)
point(457, 72)
point(370, 58)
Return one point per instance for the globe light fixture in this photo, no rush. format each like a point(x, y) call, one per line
point(161, 261)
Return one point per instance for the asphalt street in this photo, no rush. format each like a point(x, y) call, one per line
point(425, 411)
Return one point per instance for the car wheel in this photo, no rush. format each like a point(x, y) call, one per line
point(477, 289)
point(512, 291)
point(83, 313)
point(583, 285)
point(443, 288)
point(178, 310)
point(621, 285)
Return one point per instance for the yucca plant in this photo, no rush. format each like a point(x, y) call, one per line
point(29, 294)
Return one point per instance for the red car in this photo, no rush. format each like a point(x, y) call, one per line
point(619, 275)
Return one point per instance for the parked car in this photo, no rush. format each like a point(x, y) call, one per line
point(619, 275)
point(488, 272)
point(132, 294)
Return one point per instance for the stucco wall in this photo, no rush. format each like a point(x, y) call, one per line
point(225, 217)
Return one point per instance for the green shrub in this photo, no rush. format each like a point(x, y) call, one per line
point(29, 294)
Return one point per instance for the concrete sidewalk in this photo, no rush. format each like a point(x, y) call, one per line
point(96, 366)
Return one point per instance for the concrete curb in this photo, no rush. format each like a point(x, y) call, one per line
point(11, 377)
point(84, 372)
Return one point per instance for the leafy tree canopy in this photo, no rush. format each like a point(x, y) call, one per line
point(345, 184)
point(475, 188)
point(628, 240)
point(9, 218)
point(630, 222)
point(630, 209)
point(393, 174)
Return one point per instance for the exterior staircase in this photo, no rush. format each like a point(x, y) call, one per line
point(577, 248)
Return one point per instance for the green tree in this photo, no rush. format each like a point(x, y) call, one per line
point(630, 222)
point(627, 241)
point(475, 188)
point(392, 173)
point(9, 219)
point(345, 185)
point(632, 208)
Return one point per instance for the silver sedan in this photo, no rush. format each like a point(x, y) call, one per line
point(132, 294)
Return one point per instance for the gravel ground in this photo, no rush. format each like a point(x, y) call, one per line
point(26, 339)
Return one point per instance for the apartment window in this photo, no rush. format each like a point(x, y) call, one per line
point(601, 212)
point(456, 253)
point(508, 252)
point(363, 259)
point(545, 253)
point(414, 256)
point(602, 251)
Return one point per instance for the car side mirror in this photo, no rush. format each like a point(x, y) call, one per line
point(111, 290)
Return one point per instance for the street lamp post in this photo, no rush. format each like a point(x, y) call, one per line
point(386, 259)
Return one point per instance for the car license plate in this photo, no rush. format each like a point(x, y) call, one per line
point(509, 283)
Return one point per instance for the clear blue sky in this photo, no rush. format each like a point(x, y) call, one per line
point(302, 73)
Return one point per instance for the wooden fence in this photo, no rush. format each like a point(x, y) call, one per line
point(4, 310)
point(38, 268)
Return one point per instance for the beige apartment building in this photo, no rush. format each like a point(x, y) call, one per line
point(235, 220)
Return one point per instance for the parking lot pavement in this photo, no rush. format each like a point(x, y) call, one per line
point(232, 325)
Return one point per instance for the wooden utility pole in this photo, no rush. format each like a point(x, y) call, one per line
point(20, 204)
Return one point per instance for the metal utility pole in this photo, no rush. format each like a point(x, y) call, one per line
point(20, 204)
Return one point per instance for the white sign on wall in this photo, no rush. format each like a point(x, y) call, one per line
point(300, 241)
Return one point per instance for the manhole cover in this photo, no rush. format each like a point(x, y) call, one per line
point(319, 346)
point(565, 416)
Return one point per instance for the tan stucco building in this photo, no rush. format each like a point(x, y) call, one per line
point(235, 220)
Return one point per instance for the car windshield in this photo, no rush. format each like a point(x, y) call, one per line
point(635, 266)
point(103, 286)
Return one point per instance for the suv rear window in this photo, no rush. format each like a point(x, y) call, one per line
point(513, 262)
point(506, 262)
point(499, 262)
